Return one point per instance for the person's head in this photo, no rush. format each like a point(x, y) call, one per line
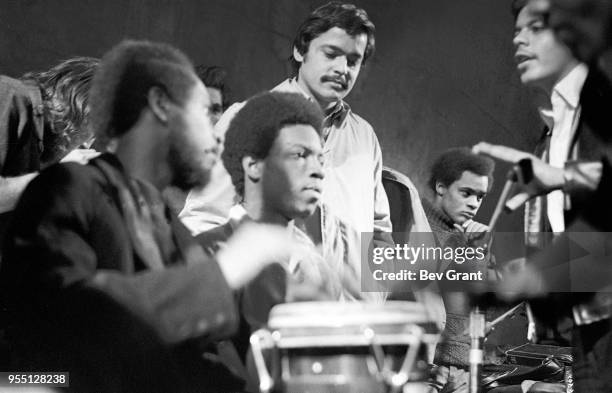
point(153, 86)
point(584, 25)
point(213, 78)
point(542, 59)
point(329, 49)
point(64, 92)
point(273, 153)
point(460, 180)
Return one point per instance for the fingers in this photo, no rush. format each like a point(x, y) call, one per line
point(351, 284)
point(250, 249)
point(525, 282)
point(81, 156)
point(499, 152)
point(517, 201)
point(475, 226)
point(306, 291)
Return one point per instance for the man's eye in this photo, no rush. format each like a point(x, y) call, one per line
point(330, 55)
point(537, 27)
point(351, 62)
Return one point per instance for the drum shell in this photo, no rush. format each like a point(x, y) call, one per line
point(334, 354)
point(342, 369)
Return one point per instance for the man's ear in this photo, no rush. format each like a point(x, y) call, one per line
point(297, 56)
point(440, 189)
point(159, 103)
point(253, 168)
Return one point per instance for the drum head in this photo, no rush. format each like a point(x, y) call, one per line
point(318, 324)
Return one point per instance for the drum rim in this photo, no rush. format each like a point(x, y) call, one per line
point(336, 315)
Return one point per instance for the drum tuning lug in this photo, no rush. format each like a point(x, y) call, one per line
point(266, 383)
point(396, 380)
point(376, 350)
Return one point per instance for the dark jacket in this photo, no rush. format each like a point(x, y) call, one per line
point(82, 298)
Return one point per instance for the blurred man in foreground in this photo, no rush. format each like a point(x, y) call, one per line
point(100, 278)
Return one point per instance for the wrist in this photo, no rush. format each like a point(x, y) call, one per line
point(558, 179)
point(581, 176)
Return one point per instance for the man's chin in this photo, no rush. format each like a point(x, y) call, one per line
point(331, 96)
point(304, 213)
point(191, 179)
point(460, 220)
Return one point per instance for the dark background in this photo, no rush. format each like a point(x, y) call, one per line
point(442, 76)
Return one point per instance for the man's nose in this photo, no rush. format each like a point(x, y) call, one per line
point(316, 168)
point(341, 65)
point(214, 118)
point(520, 38)
point(473, 202)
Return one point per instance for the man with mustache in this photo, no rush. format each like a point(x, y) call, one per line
point(100, 278)
point(329, 50)
point(459, 181)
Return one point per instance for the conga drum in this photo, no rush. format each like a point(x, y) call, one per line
point(323, 347)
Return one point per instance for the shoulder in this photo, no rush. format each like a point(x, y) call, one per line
point(398, 177)
point(362, 129)
point(18, 95)
point(595, 101)
point(227, 117)
point(8, 85)
point(64, 176)
point(285, 86)
point(596, 95)
point(359, 121)
point(69, 185)
point(62, 195)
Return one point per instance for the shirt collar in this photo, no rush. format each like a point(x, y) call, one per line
point(238, 215)
point(570, 86)
point(568, 89)
point(111, 159)
point(337, 113)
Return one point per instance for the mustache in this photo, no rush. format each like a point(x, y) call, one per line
point(338, 79)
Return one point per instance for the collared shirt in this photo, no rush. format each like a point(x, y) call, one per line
point(562, 120)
